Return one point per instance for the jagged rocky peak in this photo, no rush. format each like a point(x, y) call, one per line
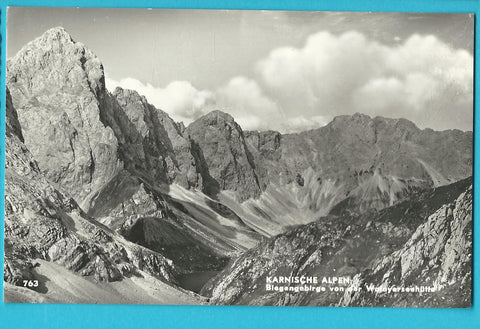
point(222, 144)
point(356, 118)
point(135, 109)
point(217, 117)
point(128, 96)
point(360, 117)
point(57, 33)
point(140, 112)
point(399, 123)
point(264, 141)
point(371, 129)
point(55, 61)
point(57, 85)
point(166, 148)
point(351, 128)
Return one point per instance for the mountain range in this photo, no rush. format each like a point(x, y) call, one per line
point(102, 186)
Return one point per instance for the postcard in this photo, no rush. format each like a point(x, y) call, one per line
point(236, 157)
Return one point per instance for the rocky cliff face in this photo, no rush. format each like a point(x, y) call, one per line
point(425, 240)
point(164, 143)
point(12, 126)
point(56, 84)
point(229, 161)
point(438, 254)
point(43, 222)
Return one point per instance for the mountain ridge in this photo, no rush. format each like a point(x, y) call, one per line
point(372, 162)
point(361, 161)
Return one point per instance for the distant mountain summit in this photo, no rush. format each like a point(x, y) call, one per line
point(226, 154)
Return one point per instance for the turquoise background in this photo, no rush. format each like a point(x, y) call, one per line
point(149, 316)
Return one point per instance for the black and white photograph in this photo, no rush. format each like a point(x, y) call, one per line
point(238, 157)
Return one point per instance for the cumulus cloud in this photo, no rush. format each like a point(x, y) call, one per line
point(421, 79)
point(180, 99)
point(294, 89)
point(240, 96)
point(245, 101)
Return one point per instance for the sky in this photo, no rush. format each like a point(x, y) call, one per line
point(286, 71)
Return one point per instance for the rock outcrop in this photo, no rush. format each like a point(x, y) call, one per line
point(226, 154)
point(425, 240)
point(55, 85)
point(438, 254)
point(43, 222)
point(164, 144)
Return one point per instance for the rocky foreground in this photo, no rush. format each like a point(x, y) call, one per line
point(43, 223)
point(422, 241)
point(110, 189)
